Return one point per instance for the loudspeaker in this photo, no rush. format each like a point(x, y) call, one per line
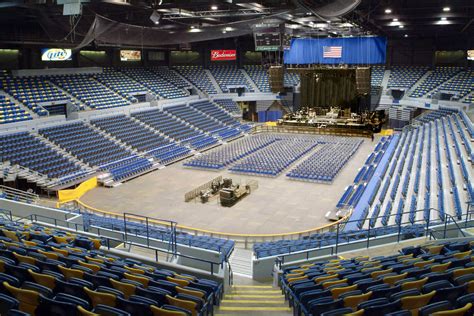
point(363, 80)
point(275, 78)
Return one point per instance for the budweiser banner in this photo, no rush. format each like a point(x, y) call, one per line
point(223, 55)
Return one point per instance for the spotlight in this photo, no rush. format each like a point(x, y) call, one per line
point(446, 9)
point(388, 11)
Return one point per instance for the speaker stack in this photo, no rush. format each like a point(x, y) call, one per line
point(275, 77)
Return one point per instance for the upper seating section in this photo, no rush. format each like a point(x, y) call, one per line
point(155, 83)
point(198, 77)
point(215, 112)
point(437, 77)
point(139, 137)
point(229, 104)
point(46, 271)
point(405, 76)
point(121, 84)
point(291, 79)
point(461, 85)
point(28, 151)
point(377, 73)
point(33, 92)
point(230, 77)
point(171, 75)
point(420, 280)
point(259, 75)
point(11, 112)
point(172, 127)
point(89, 91)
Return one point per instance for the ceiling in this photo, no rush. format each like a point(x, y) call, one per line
point(30, 21)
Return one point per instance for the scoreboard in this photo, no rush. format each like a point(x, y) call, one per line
point(267, 41)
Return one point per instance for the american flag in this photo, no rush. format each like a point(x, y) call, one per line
point(332, 51)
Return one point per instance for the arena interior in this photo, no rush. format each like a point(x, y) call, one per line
point(236, 157)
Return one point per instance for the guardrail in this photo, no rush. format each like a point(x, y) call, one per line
point(18, 195)
point(441, 221)
point(109, 241)
point(352, 132)
point(245, 239)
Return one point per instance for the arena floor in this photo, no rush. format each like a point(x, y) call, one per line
point(278, 205)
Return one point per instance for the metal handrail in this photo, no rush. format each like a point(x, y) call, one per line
point(34, 218)
point(428, 223)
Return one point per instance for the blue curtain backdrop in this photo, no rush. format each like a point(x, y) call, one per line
point(355, 50)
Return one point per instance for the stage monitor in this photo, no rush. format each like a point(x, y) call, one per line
point(223, 55)
point(470, 54)
point(130, 55)
point(56, 54)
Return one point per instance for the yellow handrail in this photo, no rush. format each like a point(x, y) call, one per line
point(210, 232)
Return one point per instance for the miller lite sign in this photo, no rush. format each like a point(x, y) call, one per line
point(56, 54)
point(217, 55)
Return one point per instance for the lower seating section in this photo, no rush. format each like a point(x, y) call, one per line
point(155, 83)
point(222, 246)
point(230, 77)
point(229, 105)
point(47, 271)
point(226, 155)
point(405, 77)
point(326, 162)
point(28, 151)
point(273, 159)
point(469, 99)
point(142, 139)
point(198, 77)
point(121, 84)
point(89, 91)
point(96, 150)
point(166, 124)
point(11, 112)
point(34, 92)
point(215, 112)
point(259, 75)
point(435, 79)
point(422, 280)
point(202, 121)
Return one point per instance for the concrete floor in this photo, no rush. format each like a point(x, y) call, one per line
point(278, 205)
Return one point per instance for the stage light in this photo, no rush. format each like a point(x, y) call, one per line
point(446, 9)
point(214, 7)
point(388, 11)
point(155, 17)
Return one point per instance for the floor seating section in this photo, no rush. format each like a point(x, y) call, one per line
point(204, 122)
point(155, 83)
point(175, 128)
point(47, 271)
point(30, 152)
point(143, 139)
point(377, 73)
point(434, 279)
point(437, 77)
point(427, 176)
point(96, 150)
point(198, 77)
point(259, 76)
point(89, 91)
point(461, 85)
point(324, 164)
point(223, 246)
point(230, 77)
point(229, 105)
point(34, 92)
point(121, 84)
point(11, 112)
point(405, 77)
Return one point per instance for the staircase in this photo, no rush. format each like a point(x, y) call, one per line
point(213, 80)
point(250, 81)
point(254, 300)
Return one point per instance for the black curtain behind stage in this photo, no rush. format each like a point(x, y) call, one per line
point(329, 87)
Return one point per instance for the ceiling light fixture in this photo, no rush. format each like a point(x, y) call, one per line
point(406, 35)
point(400, 26)
point(446, 9)
point(443, 19)
point(388, 11)
point(214, 7)
point(395, 20)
